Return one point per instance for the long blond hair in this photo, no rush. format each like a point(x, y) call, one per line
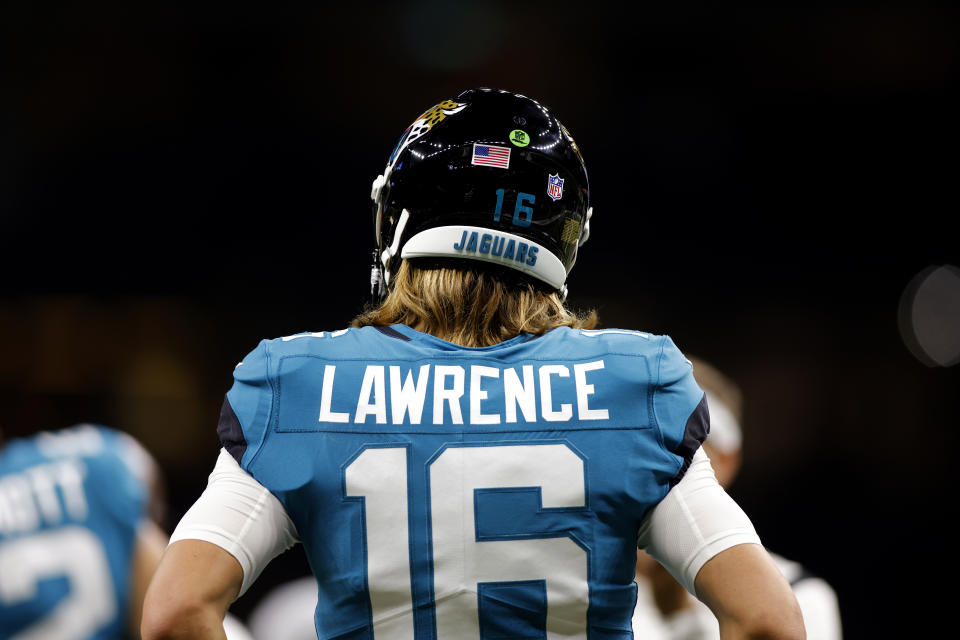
point(470, 306)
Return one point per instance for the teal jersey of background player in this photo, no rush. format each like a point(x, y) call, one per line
point(70, 504)
point(451, 492)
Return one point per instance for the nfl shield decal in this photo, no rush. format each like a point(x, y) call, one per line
point(555, 187)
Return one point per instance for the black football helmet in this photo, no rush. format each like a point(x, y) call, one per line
point(490, 176)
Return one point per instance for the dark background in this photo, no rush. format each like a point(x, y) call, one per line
point(179, 181)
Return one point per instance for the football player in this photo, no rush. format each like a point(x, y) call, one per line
point(665, 611)
point(80, 535)
point(470, 458)
point(77, 543)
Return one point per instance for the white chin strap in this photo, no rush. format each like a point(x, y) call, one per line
point(391, 251)
point(375, 190)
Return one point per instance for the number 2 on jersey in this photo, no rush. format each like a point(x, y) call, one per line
point(74, 553)
point(461, 562)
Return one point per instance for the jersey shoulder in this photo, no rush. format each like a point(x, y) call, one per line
point(614, 339)
point(265, 359)
point(249, 404)
point(678, 403)
point(666, 362)
point(95, 444)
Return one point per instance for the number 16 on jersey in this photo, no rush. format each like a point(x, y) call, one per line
point(549, 565)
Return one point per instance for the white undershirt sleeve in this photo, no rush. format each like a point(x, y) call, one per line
point(241, 516)
point(694, 522)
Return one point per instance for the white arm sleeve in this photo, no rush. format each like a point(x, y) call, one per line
point(241, 516)
point(694, 522)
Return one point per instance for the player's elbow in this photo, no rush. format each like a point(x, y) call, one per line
point(169, 617)
point(190, 592)
point(749, 596)
point(159, 620)
point(769, 623)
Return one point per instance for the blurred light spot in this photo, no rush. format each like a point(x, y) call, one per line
point(929, 316)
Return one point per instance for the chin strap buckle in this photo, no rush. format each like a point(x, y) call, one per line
point(377, 286)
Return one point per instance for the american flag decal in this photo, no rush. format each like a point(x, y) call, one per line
point(491, 156)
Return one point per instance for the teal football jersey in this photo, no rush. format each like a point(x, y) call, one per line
point(450, 492)
point(70, 505)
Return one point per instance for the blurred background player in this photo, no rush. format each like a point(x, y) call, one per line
point(286, 611)
point(469, 459)
point(665, 611)
point(81, 511)
point(77, 542)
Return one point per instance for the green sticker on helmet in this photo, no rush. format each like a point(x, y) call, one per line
point(519, 137)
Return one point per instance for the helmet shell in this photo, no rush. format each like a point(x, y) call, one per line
point(477, 177)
